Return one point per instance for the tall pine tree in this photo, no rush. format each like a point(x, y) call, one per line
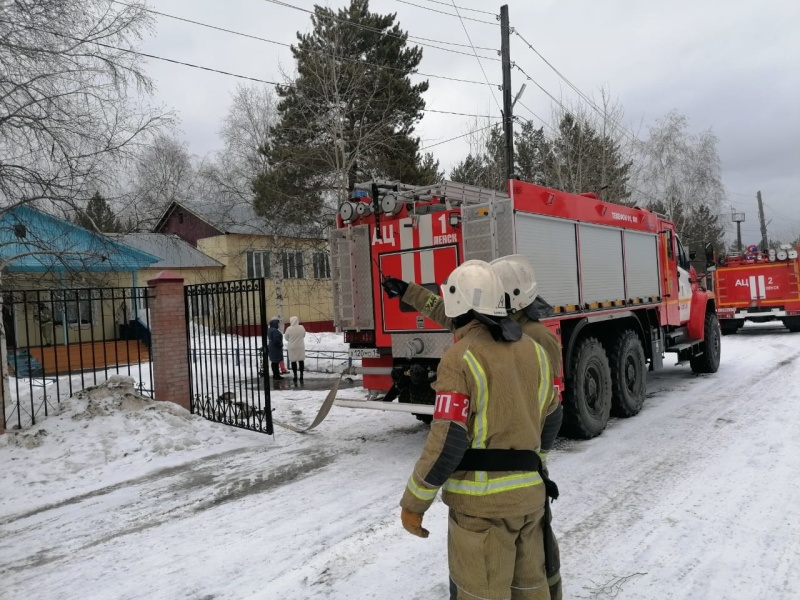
point(348, 116)
point(575, 159)
point(579, 159)
point(98, 216)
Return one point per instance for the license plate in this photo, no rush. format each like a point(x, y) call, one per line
point(364, 353)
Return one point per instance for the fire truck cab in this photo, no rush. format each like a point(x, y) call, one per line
point(620, 281)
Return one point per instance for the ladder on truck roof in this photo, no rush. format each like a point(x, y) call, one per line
point(450, 191)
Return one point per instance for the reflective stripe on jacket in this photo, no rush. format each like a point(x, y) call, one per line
point(510, 389)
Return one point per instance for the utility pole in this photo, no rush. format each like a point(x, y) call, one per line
point(508, 119)
point(738, 218)
point(764, 240)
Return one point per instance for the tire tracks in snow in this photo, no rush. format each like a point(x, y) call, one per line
point(150, 501)
point(651, 476)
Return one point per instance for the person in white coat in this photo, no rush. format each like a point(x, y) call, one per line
point(295, 336)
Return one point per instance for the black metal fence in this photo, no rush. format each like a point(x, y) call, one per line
point(59, 341)
point(226, 331)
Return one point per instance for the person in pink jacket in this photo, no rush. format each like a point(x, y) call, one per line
point(295, 345)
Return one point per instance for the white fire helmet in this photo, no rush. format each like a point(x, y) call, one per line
point(473, 285)
point(518, 279)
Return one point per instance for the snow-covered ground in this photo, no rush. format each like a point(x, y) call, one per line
point(119, 498)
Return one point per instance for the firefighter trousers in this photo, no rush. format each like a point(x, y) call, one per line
point(497, 558)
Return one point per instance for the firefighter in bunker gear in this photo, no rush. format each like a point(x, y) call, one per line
point(492, 396)
point(519, 281)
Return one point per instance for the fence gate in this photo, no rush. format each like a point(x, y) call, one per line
point(60, 340)
point(228, 373)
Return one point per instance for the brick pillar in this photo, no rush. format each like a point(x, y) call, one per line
point(168, 339)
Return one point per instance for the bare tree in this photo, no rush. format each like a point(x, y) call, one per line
point(162, 172)
point(71, 95)
point(245, 131)
point(680, 177)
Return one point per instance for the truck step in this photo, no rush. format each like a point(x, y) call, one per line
point(679, 347)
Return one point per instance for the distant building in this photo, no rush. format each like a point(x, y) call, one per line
point(295, 261)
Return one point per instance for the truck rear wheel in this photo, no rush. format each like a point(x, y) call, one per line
point(708, 361)
point(730, 326)
point(628, 374)
point(588, 400)
point(792, 324)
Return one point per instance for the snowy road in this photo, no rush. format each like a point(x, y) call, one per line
point(693, 498)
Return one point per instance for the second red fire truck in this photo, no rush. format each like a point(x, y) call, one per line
point(759, 286)
point(619, 279)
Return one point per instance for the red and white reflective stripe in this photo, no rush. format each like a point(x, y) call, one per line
point(426, 257)
point(759, 292)
point(407, 243)
point(451, 406)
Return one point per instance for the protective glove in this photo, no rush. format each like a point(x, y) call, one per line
point(412, 523)
point(395, 288)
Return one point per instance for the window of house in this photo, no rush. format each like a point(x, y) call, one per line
point(258, 264)
point(292, 264)
point(322, 265)
point(75, 305)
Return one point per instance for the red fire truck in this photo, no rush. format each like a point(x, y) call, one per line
point(759, 287)
point(620, 282)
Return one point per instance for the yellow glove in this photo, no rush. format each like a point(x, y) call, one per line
point(412, 523)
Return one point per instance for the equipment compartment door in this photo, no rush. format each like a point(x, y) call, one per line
point(428, 268)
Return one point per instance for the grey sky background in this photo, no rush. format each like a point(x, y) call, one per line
point(733, 67)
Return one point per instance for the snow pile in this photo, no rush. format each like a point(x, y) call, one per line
point(103, 425)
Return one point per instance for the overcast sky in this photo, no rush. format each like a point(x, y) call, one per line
point(732, 66)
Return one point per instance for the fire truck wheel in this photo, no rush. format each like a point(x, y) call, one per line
point(708, 361)
point(628, 374)
point(730, 326)
point(588, 399)
point(792, 324)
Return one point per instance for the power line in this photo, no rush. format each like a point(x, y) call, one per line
point(320, 52)
point(212, 70)
point(458, 137)
point(441, 12)
point(622, 129)
point(447, 112)
point(557, 72)
point(476, 56)
point(545, 123)
point(485, 12)
point(424, 42)
point(536, 83)
point(577, 90)
point(779, 214)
